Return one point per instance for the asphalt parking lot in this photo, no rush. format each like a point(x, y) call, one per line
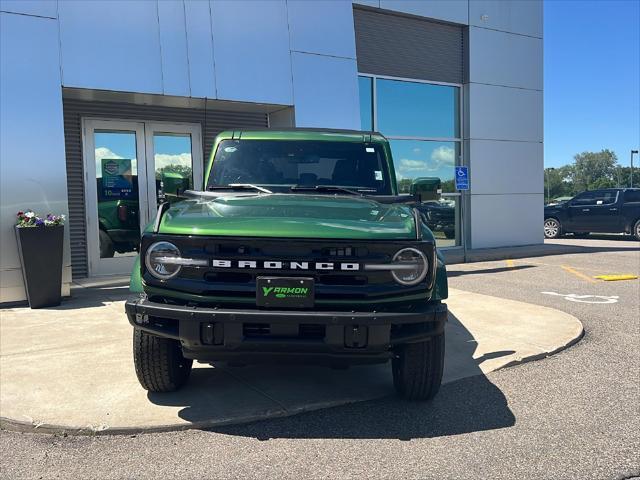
point(575, 415)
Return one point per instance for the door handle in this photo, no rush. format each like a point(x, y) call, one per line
point(613, 209)
point(586, 209)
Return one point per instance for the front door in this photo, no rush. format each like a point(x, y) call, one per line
point(593, 211)
point(131, 167)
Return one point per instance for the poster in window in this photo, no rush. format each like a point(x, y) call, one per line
point(117, 179)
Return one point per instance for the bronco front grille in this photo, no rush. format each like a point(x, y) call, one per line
point(239, 284)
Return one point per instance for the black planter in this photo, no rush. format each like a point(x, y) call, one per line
point(40, 250)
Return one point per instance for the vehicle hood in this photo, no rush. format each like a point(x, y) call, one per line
point(290, 216)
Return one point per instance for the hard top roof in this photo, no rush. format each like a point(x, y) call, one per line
point(302, 134)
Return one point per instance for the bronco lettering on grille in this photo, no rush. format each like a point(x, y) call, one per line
point(280, 265)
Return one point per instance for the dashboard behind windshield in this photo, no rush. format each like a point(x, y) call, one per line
point(280, 164)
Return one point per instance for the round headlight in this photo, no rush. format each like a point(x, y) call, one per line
point(162, 260)
point(410, 266)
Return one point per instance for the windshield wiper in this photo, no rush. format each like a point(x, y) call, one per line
point(238, 186)
point(330, 188)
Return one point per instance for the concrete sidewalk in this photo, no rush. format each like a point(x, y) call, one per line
point(70, 368)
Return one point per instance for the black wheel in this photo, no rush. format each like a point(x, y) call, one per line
point(106, 245)
point(552, 228)
point(636, 230)
point(160, 366)
point(417, 368)
point(581, 235)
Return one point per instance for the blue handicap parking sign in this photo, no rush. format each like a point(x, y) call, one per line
point(462, 178)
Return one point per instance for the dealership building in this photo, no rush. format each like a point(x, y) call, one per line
point(92, 89)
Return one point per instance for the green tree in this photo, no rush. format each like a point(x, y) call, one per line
point(404, 185)
point(557, 182)
point(623, 176)
point(593, 170)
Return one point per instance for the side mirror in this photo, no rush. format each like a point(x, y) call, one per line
point(426, 188)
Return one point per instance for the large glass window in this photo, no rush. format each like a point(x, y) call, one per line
point(366, 103)
point(418, 158)
point(422, 122)
point(411, 109)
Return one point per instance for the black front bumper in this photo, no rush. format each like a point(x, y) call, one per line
point(248, 336)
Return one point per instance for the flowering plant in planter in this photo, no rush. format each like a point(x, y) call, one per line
point(30, 219)
point(40, 247)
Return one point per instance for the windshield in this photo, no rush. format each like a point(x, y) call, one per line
point(281, 164)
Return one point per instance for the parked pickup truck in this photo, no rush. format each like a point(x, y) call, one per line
point(300, 249)
point(611, 210)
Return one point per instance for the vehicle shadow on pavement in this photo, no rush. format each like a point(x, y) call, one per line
point(467, 402)
point(457, 273)
point(469, 405)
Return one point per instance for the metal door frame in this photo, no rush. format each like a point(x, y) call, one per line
point(145, 163)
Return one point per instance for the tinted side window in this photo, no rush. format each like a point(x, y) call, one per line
point(585, 198)
point(596, 197)
point(606, 197)
point(632, 196)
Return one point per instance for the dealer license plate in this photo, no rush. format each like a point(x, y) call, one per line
point(285, 292)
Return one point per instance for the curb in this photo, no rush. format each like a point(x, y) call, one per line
point(22, 426)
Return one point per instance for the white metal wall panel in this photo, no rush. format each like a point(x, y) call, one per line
point(456, 11)
point(523, 17)
point(32, 173)
point(504, 167)
point(506, 220)
point(251, 51)
point(40, 8)
point(326, 91)
point(500, 113)
point(324, 27)
point(111, 45)
point(173, 48)
point(506, 59)
point(200, 48)
point(368, 3)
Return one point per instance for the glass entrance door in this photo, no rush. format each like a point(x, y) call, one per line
point(174, 164)
point(132, 167)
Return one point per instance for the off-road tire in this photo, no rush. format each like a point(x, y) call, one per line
point(160, 366)
point(636, 230)
point(417, 368)
point(106, 244)
point(552, 228)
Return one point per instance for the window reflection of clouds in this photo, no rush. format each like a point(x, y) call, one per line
point(417, 158)
point(115, 145)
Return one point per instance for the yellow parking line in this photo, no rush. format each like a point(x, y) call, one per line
point(615, 277)
point(510, 263)
point(578, 274)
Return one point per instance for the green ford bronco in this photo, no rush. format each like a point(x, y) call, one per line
point(300, 249)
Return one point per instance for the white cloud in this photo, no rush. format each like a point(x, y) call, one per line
point(443, 156)
point(407, 165)
point(164, 160)
point(104, 152)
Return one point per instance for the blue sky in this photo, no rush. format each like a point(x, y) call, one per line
point(591, 78)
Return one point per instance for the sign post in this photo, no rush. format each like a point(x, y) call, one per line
point(462, 178)
point(462, 184)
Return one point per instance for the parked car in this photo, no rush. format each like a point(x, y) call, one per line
point(440, 216)
point(558, 200)
point(610, 210)
point(300, 250)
